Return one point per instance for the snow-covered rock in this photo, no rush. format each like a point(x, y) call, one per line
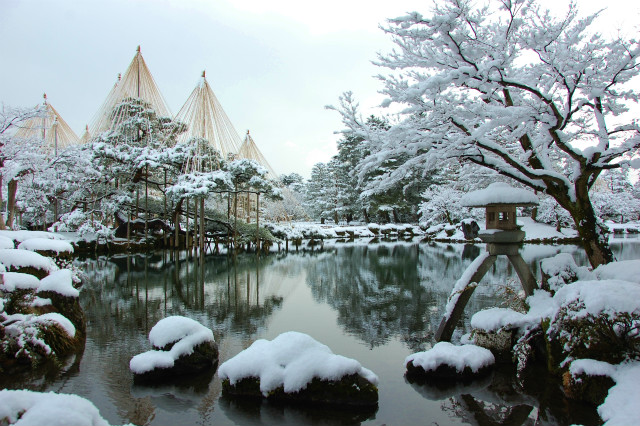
point(60, 282)
point(26, 261)
point(182, 346)
point(6, 243)
point(24, 407)
point(46, 245)
point(295, 366)
point(448, 361)
point(12, 281)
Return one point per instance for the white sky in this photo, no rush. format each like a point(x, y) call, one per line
point(273, 64)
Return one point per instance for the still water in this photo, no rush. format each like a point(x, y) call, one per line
point(376, 303)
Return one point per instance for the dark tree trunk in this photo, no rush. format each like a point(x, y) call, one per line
point(11, 201)
point(2, 224)
point(594, 239)
point(366, 216)
point(336, 218)
point(396, 218)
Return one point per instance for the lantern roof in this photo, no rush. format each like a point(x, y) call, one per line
point(499, 193)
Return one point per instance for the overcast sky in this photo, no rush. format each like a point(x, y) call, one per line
point(273, 64)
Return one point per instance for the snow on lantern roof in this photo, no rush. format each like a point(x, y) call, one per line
point(499, 193)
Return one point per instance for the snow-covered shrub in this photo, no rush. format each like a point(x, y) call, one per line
point(32, 338)
point(560, 270)
point(618, 207)
point(597, 320)
point(442, 204)
point(551, 213)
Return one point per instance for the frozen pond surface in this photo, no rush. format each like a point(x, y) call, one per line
point(375, 303)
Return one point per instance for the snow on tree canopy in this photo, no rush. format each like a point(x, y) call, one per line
point(26, 407)
point(24, 258)
point(458, 357)
point(187, 334)
point(499, 193)
point(45, 244)
point(291, 360)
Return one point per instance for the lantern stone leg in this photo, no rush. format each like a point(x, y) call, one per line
point(527, 279)
point(448, 324)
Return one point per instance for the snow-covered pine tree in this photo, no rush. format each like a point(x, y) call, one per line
point(510, 87)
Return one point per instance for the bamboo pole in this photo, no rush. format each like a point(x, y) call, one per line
point(146, 205)
point(195, 225)
point(202, 230)
point(186, 240)
point(258, 223)
point(164, 213)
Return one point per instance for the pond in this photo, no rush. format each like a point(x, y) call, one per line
point(376, 303)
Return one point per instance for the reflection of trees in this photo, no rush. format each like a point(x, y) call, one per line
point(125, 296)
point(375, 289)
point(138, 291)
point(380, 291)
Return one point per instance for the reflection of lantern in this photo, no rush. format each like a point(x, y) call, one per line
point(500, 201)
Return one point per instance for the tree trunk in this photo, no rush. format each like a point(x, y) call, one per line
point(176, 224)
point(2, 224)
point(11, 201)
point(366, 216)
point(594, 239)
point(396, 218)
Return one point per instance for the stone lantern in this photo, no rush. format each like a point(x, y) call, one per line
point(500, 201)
point(503, 237)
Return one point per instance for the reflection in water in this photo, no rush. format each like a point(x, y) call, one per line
point(376, 303)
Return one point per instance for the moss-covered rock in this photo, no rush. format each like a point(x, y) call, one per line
point(350, 390)
point(588, 388)
point(500, 342)
point(203, 358)
point(445, 372)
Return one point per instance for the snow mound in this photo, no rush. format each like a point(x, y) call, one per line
point(6, 243)
point(45, 244)
point(458, 357)
point(24, 407)
point(493, 319)
point(600, 297)
point(60, 282)
point(187, 334)
point(541, 306)
point(13, 281)
point(626, 270)
point(621, 405)
point(291, 360)
point(498, 193)
point(21, 236)
point(24, 259)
